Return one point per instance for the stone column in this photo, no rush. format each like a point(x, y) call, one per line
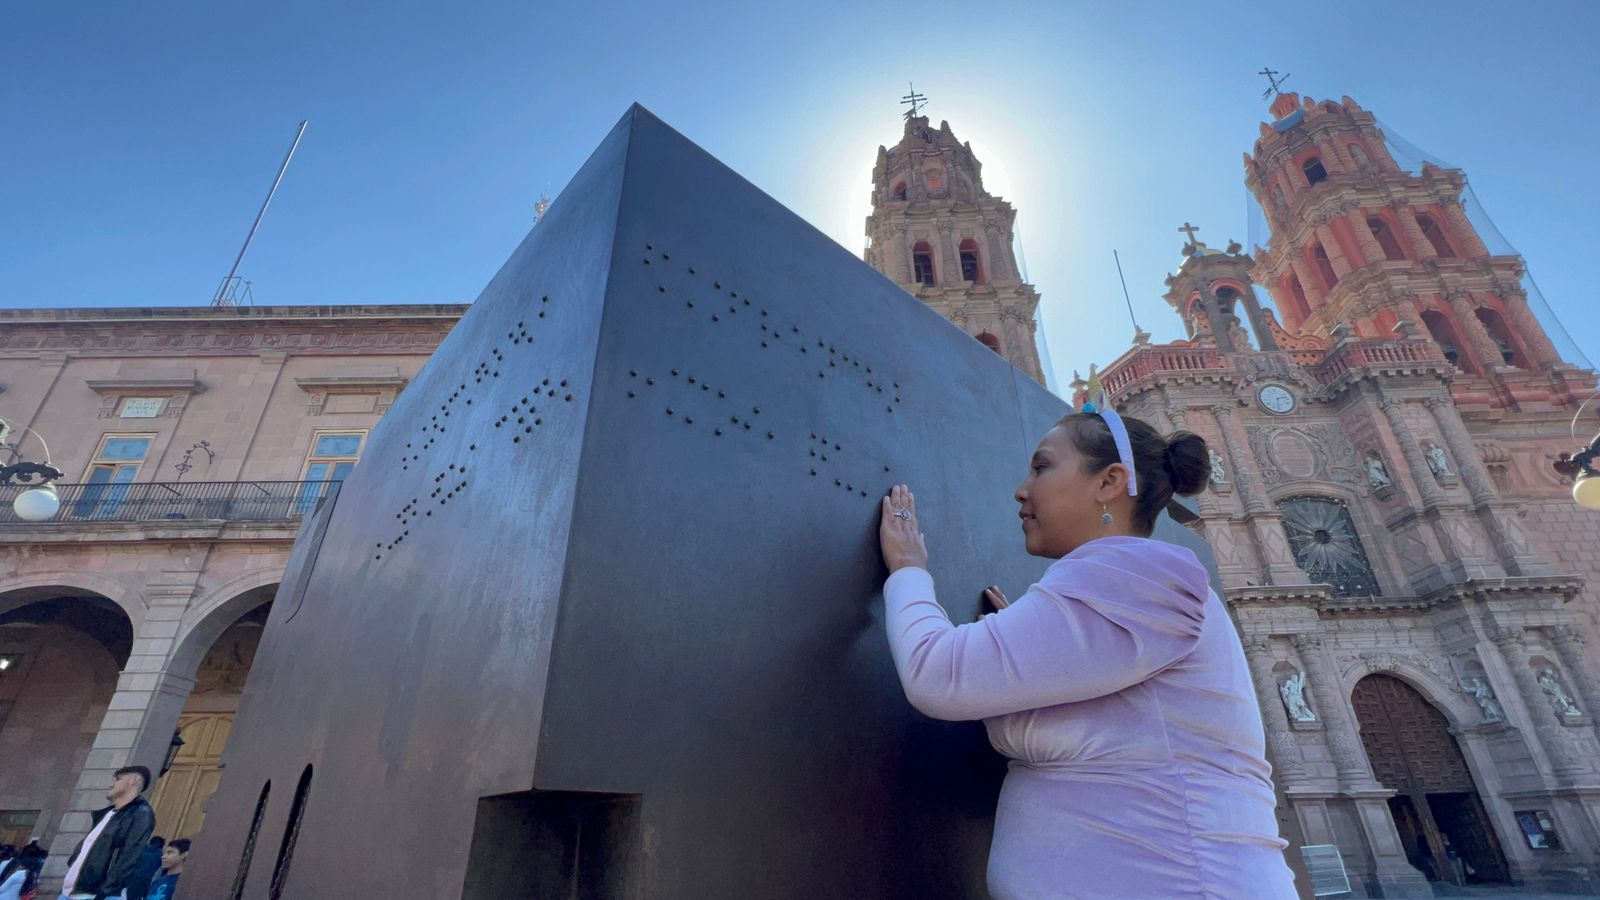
point(1266, 523)
point(1421, 475)
point(1573, 649)
point(1286, 756)
point(1330, 243)
point(951, 270)
point(1457, 216)
point(1472, 329)
point(1565, 757)
point(1511, 543)
point(140, 719)
point(1456, 439)
point(1526, 324)
point(1408, 224)
point(1336, 149)
point(1308, 281)
point(1344, 741)
point(1369, 241)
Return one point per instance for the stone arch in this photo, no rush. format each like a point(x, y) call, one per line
point(1423, 794)
point(211, 617)
point(1458, 710)
point(66, 646)
point(16, 592)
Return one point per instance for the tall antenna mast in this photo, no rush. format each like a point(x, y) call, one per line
point(227, 291)
point(1140, 336)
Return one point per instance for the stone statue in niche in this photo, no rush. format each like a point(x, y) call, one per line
point(1219, 474)
point(1479, 688)
point(1560, 700)
point(1377, 474)
point(1437, 463)
point(1293, 691)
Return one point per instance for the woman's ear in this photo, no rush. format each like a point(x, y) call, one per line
point(1113, 483)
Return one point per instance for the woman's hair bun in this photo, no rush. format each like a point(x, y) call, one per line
point(1188, 463)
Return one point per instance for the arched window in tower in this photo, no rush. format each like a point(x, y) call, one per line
point(1435, 236)
point(971, 268)
point(1358, 154)
point(989, 340)
point(922, 263)
point(1444, 334)
point(1326, 547)
point(1324, 266)
point(1228, 305)
point(1315, 173)
point(1501, 336)
point(899, 192)
point(1385, 236)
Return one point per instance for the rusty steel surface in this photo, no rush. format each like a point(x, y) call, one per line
point(597, 613)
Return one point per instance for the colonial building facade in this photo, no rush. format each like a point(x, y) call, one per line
point(941, 236)
point(192, 441)
point(1412, 581)
point(1409, 575)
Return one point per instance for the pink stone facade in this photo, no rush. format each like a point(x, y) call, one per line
point(1386, 518)
point(107, 611)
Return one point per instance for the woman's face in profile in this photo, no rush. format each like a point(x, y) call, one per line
point(1057, 500)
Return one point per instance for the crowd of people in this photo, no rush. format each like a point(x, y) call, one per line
point(120, 859)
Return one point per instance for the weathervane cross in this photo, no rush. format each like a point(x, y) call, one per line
point(915, 100)
point(1189, 230)
point(1274, 80)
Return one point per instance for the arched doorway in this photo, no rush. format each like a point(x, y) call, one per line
point(61, 649)
point(1436, 808)
point(180, 794)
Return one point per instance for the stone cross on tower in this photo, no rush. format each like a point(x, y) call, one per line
point(914, 100)
point(1189, 230)
point(1274, 80)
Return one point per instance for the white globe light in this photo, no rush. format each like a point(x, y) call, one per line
point(1586, 491)
point(36, 505)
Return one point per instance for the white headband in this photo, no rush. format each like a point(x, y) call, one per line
point(1119, 434)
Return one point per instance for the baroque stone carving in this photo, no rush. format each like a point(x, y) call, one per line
point(1438, 464)
point(1219, 472)
point(1479, 688)
point(1293, 692)
point(1316, 451)
point(1377, 473)
point(1560, 700)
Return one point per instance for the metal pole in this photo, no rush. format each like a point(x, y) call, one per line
point(218, 300)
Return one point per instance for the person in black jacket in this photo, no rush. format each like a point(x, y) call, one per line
point(149, 865)
point(104, 862)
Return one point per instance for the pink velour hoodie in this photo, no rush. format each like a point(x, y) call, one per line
point(1119, 691)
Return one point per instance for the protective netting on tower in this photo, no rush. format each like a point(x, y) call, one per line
point(1410, 158)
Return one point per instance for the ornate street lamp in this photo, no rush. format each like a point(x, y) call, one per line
point(39, 502)
point(173, 746)
point(1580, 467)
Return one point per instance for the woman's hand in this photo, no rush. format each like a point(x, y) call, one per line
point(897, 531)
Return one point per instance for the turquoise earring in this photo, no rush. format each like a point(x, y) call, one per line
point(1105, 515)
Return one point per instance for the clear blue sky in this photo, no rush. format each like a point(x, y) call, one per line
point(140, 137)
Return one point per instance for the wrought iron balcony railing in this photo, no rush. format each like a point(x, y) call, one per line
point(155, 501)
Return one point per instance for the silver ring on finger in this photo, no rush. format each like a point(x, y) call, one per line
point(903, 514)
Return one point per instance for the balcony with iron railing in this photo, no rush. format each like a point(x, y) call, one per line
point(1386, 357)
point(1143, 361)
point(168, 501)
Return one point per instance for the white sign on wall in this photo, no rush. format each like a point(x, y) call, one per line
point(141, 407)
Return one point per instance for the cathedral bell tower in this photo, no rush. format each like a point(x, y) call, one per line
point(1358, 241)
point(941, 236)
